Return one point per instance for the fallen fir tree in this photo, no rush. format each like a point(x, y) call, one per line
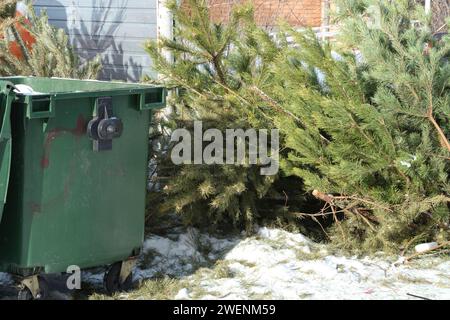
point(207, 76)
point(364, 120)
point(370, 135)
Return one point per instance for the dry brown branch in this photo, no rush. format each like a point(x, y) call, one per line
point(442, 138)
point(352, 209)
point(336, 220)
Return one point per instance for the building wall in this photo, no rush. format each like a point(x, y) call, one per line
point(268, 12)
point(115, 29)
point(118, 29)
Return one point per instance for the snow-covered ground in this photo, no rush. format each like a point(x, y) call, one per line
point(275, 264)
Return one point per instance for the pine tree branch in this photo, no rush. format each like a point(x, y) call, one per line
point(442, 157)
point(185, 84)
point(444, 142)
point(280, 109)
point(44, 50)
point(336, 220)
point(442, 138)
point(23, 47)
point(218, 68)
point(362, 200)
point(242, 99)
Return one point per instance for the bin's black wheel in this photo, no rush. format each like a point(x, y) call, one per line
point(25, 293)
point(112, 280)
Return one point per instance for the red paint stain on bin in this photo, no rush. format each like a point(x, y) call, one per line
point(78, 131)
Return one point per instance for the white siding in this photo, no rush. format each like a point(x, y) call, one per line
point(116, 29)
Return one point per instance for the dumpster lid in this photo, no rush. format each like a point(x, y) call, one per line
point(7, 96)
point(63, 87)
point(30, 88)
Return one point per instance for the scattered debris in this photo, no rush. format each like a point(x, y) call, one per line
point(424, 247)
point(415, 296)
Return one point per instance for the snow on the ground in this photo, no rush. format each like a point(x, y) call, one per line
point(180, 254)
point(5, 279)
point(276, 264)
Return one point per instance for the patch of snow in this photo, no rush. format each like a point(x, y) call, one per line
point(183, 294)
point(5, 279)
point(277, 234)
point(180, 256)
point(269, 266)
point(25, 90)
point(92, 278)
point(276, 264)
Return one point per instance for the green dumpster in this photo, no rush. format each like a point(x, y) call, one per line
point(73, 175)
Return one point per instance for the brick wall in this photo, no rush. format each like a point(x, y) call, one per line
point(268, 12)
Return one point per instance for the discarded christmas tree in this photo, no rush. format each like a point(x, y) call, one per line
point(34, 47)
point(364, 120)
point(7, 20)
point(370, 133)
point(209, 74)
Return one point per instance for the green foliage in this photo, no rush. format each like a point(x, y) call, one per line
point(210, 73)
point(51, 55)
point(364, 120)
point(372, 132)
point(7, 9)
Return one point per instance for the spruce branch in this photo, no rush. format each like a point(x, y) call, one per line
point(280, 109)
point(23, 47)
point(50, 54)
point(442, 138)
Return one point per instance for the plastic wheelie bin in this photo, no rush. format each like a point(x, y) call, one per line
point(74, 156)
